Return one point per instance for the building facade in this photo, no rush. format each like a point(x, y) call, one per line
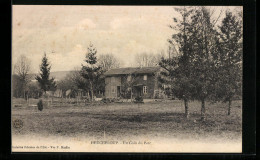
point(124, 82)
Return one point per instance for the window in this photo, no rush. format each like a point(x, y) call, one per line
point(145, 77)
point(113, 89)
point(129, 78)
point(144, 89)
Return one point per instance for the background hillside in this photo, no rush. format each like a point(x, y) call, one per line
point(58, 75)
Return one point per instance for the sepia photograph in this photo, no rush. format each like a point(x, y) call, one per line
point(97, 78)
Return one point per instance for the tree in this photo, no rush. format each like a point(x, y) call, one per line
point(230, 59)
point(46, 83)
point(177, 70)
point(22, 69)
point(73, 81)
point(91, 72)
point(204, 40)
point(105, 62)
point(64, 85)
point(76, 81)
point(108, 61)
point(34, 90)
point(147, 60)
point(17, 86)
point(183, 82)
point(167, 74)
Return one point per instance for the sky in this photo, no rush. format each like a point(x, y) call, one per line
point(65, 32)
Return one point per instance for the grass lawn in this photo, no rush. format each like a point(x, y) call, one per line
point(119, 120)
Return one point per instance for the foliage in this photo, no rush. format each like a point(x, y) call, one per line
point(167, 73)
point(128, 82)
point(139, 99)
point(110, 100)
point(17, 86)
point(229, 59)
point(33, 90)
point(177, 70)
point(45, 82)
point(105, 100)
point(204, 48)
point(230, 55)
point(74, 82)
point(203, 39)
point(209, 62)
point(92, 72)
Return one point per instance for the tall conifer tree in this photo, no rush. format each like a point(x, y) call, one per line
point(91, 72)
point(177, 70)
point(204, 42)
point(230, 59)
point(46, 83)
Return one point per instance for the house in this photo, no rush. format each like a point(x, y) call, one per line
point(122, 82)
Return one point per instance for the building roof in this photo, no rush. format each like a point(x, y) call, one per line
point(124, 71)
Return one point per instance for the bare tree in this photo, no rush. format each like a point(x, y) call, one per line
point(147, 60)
point(108, 61)
point(22, 69)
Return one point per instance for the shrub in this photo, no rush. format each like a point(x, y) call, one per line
point(106, 100)
point(139, 99)
point(40, 105)
point(110, 100)
point(18, 105)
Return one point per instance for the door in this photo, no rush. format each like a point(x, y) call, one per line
point(139, 91)
point(118, 91)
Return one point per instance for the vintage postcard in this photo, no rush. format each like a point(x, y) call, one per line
point(127, 78)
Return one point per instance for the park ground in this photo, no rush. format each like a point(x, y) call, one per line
point(153, 120)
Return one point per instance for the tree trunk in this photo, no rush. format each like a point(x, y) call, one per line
point(27, 97)
point(229, 106)
point(48, 101)
point(187, 114)
point(61, 98)
point(131, 95)
point(91, 91)
point(28, 102)
point(92, 95)
point(77, 100)
point(203, 110)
